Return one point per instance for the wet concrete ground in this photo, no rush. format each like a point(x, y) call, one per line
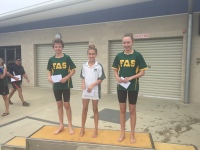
point(168, 121)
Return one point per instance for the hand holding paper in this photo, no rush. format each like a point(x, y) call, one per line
point(17, 76)
point(125, 85)
point(56, 78)
point(86, 93)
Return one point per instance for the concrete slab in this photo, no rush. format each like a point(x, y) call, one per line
point(168, 121)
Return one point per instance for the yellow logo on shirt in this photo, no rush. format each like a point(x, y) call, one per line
point(127, 63)
point(59, 65)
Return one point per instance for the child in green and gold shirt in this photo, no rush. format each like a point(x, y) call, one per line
point(128, 66)
point(61, 65)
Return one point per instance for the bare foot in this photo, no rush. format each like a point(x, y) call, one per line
point(121, 137)
point(60, 129)
point(82, 132)
point(132, 140)
point(71, 131)
point(95, 134)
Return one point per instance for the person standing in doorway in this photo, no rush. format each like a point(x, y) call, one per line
point(61, 66)
point(92, 75)
point(17, 70)
point(4, 91)
point(128, 66)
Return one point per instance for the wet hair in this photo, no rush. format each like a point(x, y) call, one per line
point(1, 61)
point(57, 40)
point(129, 35)
point(92, 47)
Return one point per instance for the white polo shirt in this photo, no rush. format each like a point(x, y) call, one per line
point(93, 74)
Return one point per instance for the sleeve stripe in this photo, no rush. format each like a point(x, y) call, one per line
point(143, 69)
point(115, 68)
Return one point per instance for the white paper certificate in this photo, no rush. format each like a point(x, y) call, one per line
point(17, 76)
point(125, 85)
point(56, 78)
point(86, 93)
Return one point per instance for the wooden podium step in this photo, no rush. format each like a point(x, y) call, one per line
point(44, 139)
point(16, 143)
point(166, 146)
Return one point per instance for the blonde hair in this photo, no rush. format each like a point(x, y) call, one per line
point(1, 62)
point(92, 47)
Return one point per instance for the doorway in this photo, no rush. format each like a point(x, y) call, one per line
point(9, 53)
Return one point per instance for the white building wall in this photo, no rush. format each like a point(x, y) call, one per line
point(100, 34)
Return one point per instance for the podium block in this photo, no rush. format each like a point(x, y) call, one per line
point(16, 143)
point(167, 146)
point(44, 139)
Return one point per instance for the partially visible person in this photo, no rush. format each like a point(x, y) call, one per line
point(128, 66)
point(92, 75)
point(17, 69)
point(4, 91)
point(61, 65)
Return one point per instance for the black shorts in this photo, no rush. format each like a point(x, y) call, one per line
point(4, 90)
point(16, 85)
point(62, 93)
point(132, 96)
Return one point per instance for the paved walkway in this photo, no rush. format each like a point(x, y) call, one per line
point(167, 120)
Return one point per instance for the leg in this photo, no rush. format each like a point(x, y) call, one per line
point(24, 103)
point(5, 97)
point(132, 109)
point(60, 115)
point(4, 92)
point(69, 116)
point(122, 121)
point(96, 117)
point(132, 96)
point(66, 97)
point(85, 103)
point(11, 94)
point(122, 95)
point(20, 94)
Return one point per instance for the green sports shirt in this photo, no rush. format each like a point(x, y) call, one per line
point(61, 66)
point(127, 66)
